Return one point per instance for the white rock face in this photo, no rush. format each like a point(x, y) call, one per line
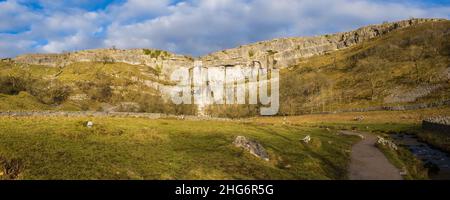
point(280, 52)
point(286, 51)
point(167, 61)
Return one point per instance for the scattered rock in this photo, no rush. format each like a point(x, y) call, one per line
point(306, 140)
point(284, 121)
point(444, 120)
point(358, 118)
point(89, 124)
point(387, 143)
point(254, 147)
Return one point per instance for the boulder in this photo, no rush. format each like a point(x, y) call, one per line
point(89, 124)
point(252, 146)
point(306, 140)
point(388, 143)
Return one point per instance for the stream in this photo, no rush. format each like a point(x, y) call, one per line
point(437, 161)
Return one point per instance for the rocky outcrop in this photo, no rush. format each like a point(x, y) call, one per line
point(153, 58)
point(406, 95)
point(286, 51)
point(439, 124)
point(387, 143)
point(254, 147)
point(278, 52)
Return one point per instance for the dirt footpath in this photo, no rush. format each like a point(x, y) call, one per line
point(368, 162)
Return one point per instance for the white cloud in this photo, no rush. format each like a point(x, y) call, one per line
point(137, 10)
point(15, 16)
point(194, 27)
point(204, 26)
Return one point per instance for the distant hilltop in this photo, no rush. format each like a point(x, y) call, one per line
point(282, 52)
point(391, 66)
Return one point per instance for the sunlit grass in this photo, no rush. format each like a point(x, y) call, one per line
point(129, 148)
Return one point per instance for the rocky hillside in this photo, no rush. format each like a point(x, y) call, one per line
point(144, 57)
point(285, 51)
point(405, 69)
point(391, 64)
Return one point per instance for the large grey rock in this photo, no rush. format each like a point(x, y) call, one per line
point(252, 146)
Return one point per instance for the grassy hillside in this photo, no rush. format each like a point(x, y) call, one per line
point(84, 86)
point(137, 148)
point(407, 66)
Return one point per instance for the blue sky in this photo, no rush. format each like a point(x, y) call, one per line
point(193, 27)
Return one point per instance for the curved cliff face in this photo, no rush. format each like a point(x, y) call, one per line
point(287, 51)
point(278, 52)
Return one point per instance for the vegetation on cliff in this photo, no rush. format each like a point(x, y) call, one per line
point(408, 66)
point(84, 86)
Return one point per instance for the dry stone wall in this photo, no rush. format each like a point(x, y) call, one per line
point(439, 124)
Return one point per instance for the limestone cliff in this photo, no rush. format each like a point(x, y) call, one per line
point(287, 51)
point(149, 57)
point(279, 52)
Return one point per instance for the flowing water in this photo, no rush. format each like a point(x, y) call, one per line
point(437, 161)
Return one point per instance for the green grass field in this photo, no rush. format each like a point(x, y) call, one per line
point(131, 148)
point(138, 148)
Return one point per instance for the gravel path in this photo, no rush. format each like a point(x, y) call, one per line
point(368, 162)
